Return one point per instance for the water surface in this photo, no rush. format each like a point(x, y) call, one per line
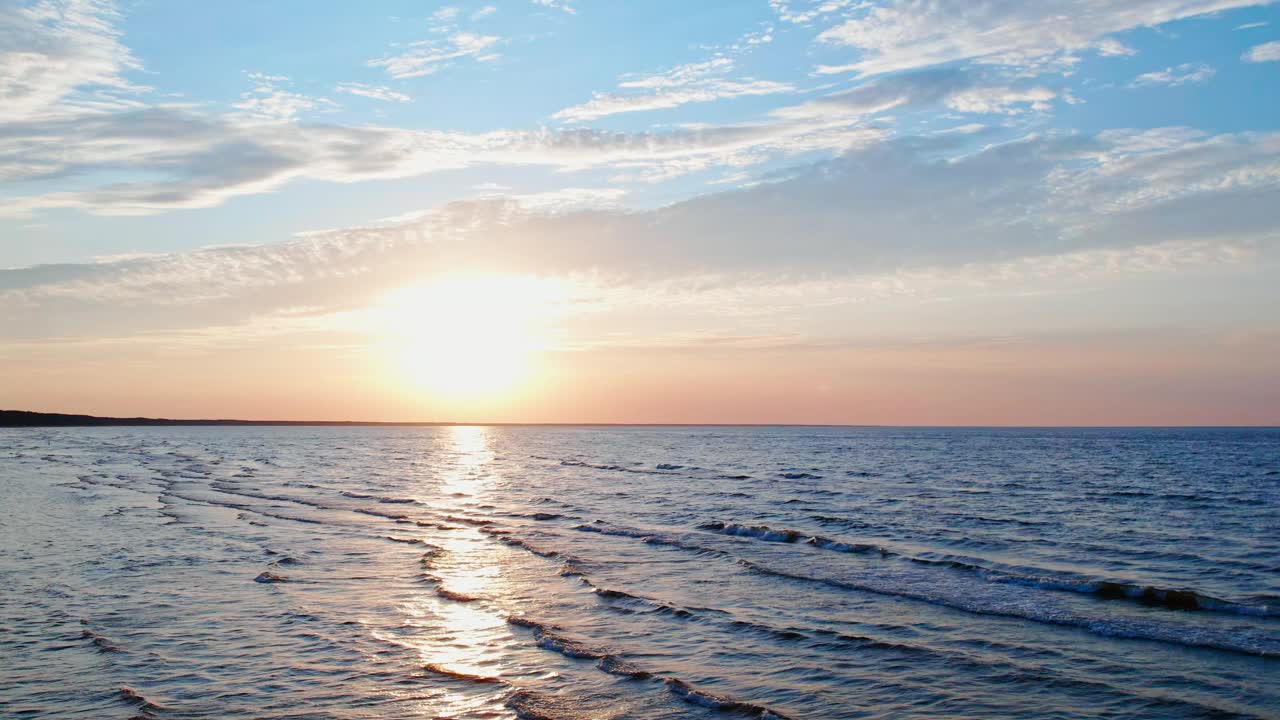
point(479, 572)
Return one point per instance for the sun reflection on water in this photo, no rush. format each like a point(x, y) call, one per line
point(462, 635)
point(470, 455)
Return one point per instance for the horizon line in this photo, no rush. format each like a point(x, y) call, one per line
point(31, 418)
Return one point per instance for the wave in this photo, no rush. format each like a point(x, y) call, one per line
point(659, 470)
point(550, 501)
point(379, 498)
point(474, 522)
point(454, 595)
point(841, 641)
point(409, 541)
point(572, 569)
point(1177, 634)
point(1172, 599)
point(723, 618)
point(652, 537)
point(615, 665)
point(544, 516)
point(434, 525)
point(506, 538)
point(459, 675)
point(694, 696)
point(282, 559)
point(428, 558)
point(549, 637)
point(840, 521)
point(569, 648)
point(1169, 598)
point(234, 489)
point(1138, 629)
point(146, 707)
point(164, 499)
point(525, 622)
point(530, 705)
point(658, 606)
point(100, 643)
point(382, 514)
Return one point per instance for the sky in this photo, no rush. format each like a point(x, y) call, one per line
point(924, 212)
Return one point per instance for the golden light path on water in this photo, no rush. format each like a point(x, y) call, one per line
point(459, 634)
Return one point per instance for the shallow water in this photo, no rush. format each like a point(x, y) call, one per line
point(639, 573)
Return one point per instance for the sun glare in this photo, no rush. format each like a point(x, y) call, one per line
point(470, 337)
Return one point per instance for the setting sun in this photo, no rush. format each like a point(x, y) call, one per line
point(469, 337)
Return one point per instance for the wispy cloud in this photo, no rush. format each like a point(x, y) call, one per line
point(201, 160)
point(802, 12)
point(427, 57)
point(271, 102)
point(1184, 74)
point(561, 5)
point(903, 34)
point(692, 83)
point(53, 53)
point(446, 13)
point(373, 92)
point(1001, 100)
point(955, 89)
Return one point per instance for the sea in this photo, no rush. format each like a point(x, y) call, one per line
point(554, 573)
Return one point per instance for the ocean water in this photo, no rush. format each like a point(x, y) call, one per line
point(497, 572)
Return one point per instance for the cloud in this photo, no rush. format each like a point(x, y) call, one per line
point(1266, 52)
point(186, 159)
point(1001, 100)
point(956, 89)
point(446, 13)
point(561, 5)
point(373, 92)
point(427, 57)
point(692, 83)
point(267, 101)
point(51, 51)
point(884, 94)
point(905, 34)
point(803, 13)
point(1040, 207)
point(1184, 74)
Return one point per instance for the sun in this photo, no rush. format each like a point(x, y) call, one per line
point(469, 337)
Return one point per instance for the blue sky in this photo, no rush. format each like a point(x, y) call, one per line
point(973, 170)
point(530, 65)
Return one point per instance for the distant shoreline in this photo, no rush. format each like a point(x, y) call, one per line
point(27, 418)
point(24, 418)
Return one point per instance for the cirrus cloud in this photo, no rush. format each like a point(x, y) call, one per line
point(692, 83)
point(904, 34)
